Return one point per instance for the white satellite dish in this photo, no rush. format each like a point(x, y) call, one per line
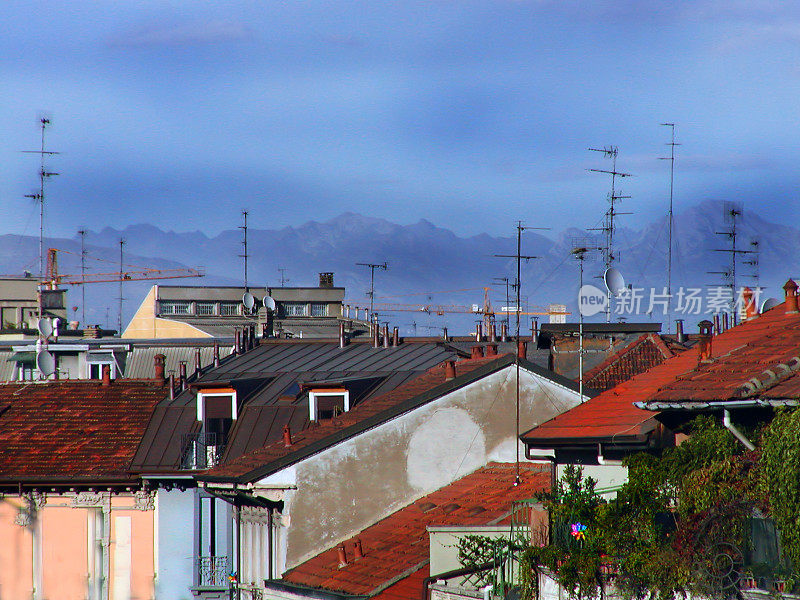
point(769, 303)
point(45, 327)
point(45, 362)
point(248, 300)
point(615, 282)
point(269, 302)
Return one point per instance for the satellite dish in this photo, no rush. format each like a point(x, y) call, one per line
point(45, 362)
point(248, 300)
point(269, 302)
point(45, 327)
point(768, 304)
point(615, 282)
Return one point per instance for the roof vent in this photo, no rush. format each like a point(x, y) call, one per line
point(449, 508)
point(426, 506)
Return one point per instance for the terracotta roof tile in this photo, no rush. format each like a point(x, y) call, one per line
point(73, 430)
point(645, 352)
point(396, 549)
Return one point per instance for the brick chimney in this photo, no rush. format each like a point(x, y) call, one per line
point(106, 376)
point(750, 310)
point(158, 367)
point(704, 345)
point(522, 349)
point(476, 352)
point(449, 370)
point(342, 555)
point(491, 349)
point(358, 551)
point(287, 436)
point(790, 291)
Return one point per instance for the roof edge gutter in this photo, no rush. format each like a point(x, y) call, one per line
point(725, 404)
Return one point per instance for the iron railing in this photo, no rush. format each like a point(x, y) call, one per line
point(213, 571)
point(201, 450)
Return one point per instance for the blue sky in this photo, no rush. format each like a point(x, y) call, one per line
point(469, 114)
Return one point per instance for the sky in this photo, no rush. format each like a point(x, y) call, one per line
point(472, 115)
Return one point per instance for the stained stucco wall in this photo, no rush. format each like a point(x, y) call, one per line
point(175, 514)
point(356, 483)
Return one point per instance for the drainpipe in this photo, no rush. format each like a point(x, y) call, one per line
point(726, 421)
point(547, 457)
point(602, 460)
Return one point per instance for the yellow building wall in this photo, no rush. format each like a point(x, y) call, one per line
point(145, 324)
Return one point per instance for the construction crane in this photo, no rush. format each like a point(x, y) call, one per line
point(53, 278)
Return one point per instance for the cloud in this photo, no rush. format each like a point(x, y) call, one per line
point(194, 33)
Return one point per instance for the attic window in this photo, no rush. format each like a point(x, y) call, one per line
point(319, 309)
point(205, 309)
point(326, 403)
point(175, 308)
point(216, 404)
point(228, 309)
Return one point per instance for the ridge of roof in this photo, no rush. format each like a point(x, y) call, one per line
point(619, 361)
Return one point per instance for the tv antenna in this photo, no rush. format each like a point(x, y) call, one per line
point(243, 227)
point(82, 233)
point(733, 212)
point(284, 279)
point(509, 284)
point(121, 279)
point(517, 309)
point(671, 223)
point(581, 249)
point(372, 267)
point(608, 224)
point(39, 197)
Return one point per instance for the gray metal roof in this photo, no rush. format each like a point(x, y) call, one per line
point(138, 363)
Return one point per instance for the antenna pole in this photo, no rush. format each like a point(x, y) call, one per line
point(371, 292)
point(121, 277)
point(244, 244)
point(82, 233)
point(284, 279)
point(580, 336)
point(671, 222)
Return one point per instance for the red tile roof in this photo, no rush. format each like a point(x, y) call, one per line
point(396, 549)
point(433, 380)
point(738, 354)
point(643, 353)
point(72, 430)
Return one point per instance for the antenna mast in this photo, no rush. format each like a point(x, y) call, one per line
point(733, 212)
point(671, 159)
point(371, 292)
point(608, 227)
point(82, 233)
point(121, 277)
point(43, 174)
point(284, 279)
point(244, 244)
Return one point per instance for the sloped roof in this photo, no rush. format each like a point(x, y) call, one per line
point(643, 353)
point(370, 412)
point(72, 431)
point(397, 548)
point(738, 355)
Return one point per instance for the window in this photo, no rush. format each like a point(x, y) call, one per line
point(319, 309)
point(327, 403)
point(29, 316)
point(175, 308)
point(228, 309)
point(96, 370)
point(295, 309)
point(213, 565)
point(205, 309)
point(8, 316)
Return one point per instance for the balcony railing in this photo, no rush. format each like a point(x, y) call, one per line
point(213, 571)
point(201, 450)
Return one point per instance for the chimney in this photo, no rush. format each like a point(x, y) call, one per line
point(750, 310)
point(358, 550)
point(182, 371)
point(385, 333)
point(726, 324)
point(706, 337)
point(158, 368)
point(522, 349)
point(326, 280)
point(106, 375)
point(172, 386)
point(444, 333)
point(449, 370)
point(535, 330)
point(790, 291)
point(245, 339)
point(679, 335)
point(493, 333)
point(477, 352)
point(198, 369)
point(216, 353)
point(503, 332)
point(717, 325)
point(376, 338)
point(236, 334)
point(342, 556)
point(395, 336)
point(491, 349)
point(287, 436)
point(342, 339)
point(479, 331)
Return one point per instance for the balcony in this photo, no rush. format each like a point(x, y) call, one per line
point(201, 450)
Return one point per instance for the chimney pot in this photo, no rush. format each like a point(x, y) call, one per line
point(726, 324)
point(342, 339)
point(476, 352)
point(182, 372)
point(358, 550)
point(287, 436)
point(535, 330)
point(717, 326)
point(342, 556)
point(503, 332)
point(679, 335)
point(216, 353)
point(106, 375)
point(449, 370)
point(444, 333)
point(197, 363)
point(158, 367)
point(491, 350)
point(704, 347)
point(385, 335)
point(790, 291)
point(395, 336)
point(172, 386)
point(376, 338)
point(522, 349)
point(479, 331)
point(493, 333)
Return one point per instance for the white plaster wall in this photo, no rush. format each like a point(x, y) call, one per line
point(352, 485)
point(609, 478)
point(175, 530)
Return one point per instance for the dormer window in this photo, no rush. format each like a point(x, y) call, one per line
point(326, 403)
point(216, 410)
